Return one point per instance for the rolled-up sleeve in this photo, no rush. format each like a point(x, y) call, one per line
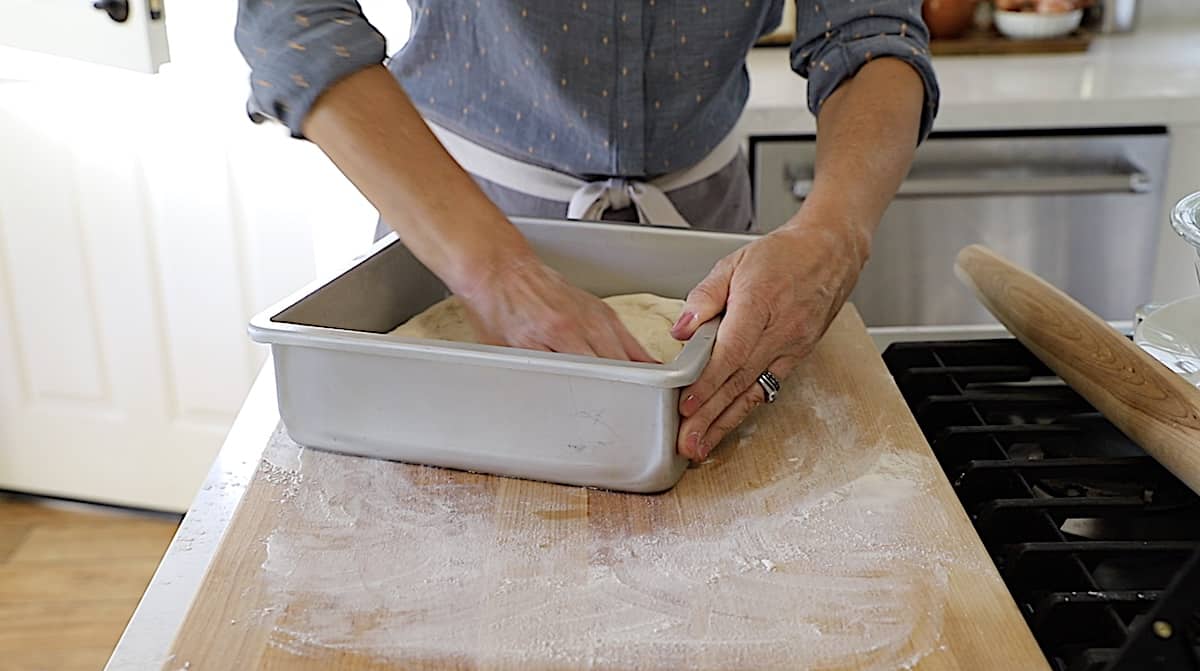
point(297, 49)
point(834, 38)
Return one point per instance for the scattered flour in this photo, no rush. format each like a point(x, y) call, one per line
point(398, 562)
point(286, 474)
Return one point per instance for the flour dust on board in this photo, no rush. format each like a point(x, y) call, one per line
point(411, 563)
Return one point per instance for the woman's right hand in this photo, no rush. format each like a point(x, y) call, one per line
point(524, 303)
point(371, 131)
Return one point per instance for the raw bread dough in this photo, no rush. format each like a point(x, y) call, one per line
point(647, 316)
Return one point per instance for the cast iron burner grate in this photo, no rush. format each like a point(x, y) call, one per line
point(1098, 543)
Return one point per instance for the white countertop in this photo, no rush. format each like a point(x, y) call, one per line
point(1151, 76)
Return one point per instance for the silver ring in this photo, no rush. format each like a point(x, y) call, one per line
point(769, 384)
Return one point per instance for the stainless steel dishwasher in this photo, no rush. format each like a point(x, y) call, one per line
point(1081, 208)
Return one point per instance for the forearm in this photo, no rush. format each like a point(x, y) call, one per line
point(867, 133)
point(368, 127)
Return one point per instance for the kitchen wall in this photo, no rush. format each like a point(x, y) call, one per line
point(1165, 11)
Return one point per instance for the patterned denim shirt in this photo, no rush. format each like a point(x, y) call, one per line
point(630, 88)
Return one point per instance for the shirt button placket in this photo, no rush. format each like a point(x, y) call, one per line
point(629, 105)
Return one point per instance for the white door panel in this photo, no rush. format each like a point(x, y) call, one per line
point(125, 374)
point(194, 237)
point(59, 337)
point(129, 265)
point(76, 29)
point(134, 247)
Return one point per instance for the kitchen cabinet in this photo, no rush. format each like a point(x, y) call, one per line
point(1081, 208)
point(1140, 80)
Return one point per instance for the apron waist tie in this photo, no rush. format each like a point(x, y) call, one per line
point(588, 200)
point(593, 199)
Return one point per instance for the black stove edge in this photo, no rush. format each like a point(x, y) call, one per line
point(1003, 394)
point(1169, 636)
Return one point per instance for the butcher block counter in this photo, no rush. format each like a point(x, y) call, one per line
point(821, 535)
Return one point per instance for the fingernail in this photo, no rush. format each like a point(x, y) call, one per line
point(688, 402)
point(704, 449)
point(684, 319)
point(692, 444)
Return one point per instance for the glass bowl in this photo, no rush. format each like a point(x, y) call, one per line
point(1185, 219)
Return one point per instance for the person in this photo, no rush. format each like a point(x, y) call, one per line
point(616, 109)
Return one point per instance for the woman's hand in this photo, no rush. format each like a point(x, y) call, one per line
point(371, 131)
point(779, 294)
point(526, 304)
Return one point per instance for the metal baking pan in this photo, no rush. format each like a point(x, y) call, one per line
point(346, 385)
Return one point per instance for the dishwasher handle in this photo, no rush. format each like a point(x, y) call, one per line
point(994, 183)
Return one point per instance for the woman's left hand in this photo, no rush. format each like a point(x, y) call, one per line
point(779, 294)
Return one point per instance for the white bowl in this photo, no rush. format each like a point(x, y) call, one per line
point(1034, 26)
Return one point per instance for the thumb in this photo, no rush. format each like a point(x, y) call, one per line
point(705, 301)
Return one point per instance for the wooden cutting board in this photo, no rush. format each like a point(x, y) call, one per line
point(991, 43)
point(822, 535)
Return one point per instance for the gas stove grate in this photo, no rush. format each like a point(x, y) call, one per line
point(1098, 543)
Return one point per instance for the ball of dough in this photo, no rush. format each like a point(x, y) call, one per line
point(647, 316)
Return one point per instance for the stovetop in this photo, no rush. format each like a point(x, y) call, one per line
point(1098, 543)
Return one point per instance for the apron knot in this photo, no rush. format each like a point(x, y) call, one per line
point(589, 200)
point(593, 199)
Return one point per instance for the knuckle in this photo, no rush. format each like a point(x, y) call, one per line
point(745, 378)
point(559, 324)
point(734, 419)
point(687, 425)
point(610, 348)
point(748, 401)
point(719, 430)
point(802, 331)
point(529, 335)
point(702, 292)
point(757, 298)
point(523, 342)
point(784, 365)
point(725, 398)
point(728, 262)
point(688, 429)
point(721, 399)
point(757, 398)
point(539, 333)
point(738, 344)
point(704, 418)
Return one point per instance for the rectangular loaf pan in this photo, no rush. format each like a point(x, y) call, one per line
point(345, 385)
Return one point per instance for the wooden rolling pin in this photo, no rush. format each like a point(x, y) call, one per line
point(1154, 406)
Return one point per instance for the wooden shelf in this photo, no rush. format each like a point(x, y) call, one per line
point(981, 43)
point(992, 43)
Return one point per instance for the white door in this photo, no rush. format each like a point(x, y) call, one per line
point(126, 33)
point(129, 265)
point(143, 220)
